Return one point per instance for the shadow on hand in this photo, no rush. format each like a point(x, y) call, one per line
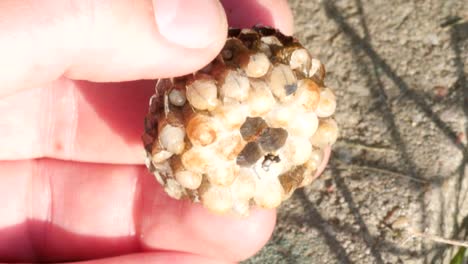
point(246, 13)
point(122, 106)
point(41, 241)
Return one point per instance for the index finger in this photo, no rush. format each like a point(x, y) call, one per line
point(110, 40)
point(119, 40)
point(98, 122)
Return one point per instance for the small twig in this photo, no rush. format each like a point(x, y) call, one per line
point(343, 166)
point(334, 36)
point(403, 19)
point(450, 21)
point(438, 239)
point(363, 146)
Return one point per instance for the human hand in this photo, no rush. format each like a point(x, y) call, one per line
point(72, 182)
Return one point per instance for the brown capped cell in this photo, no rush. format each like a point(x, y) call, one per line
point(272, 139)
point(291, 180)
point(249, 155)
point(252, 128)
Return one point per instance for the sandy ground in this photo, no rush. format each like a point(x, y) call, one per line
point(400, 70)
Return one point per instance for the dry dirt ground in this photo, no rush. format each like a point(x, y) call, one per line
point(400, 70)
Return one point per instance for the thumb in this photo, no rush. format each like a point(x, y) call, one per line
point(105, 40)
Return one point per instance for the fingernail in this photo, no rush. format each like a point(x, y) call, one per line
point(190, 23)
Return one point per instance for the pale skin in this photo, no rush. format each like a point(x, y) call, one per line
point(72, 180)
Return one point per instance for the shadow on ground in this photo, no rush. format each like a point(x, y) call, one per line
point(400, 165)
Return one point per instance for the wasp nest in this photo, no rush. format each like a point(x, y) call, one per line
point(246, 130)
